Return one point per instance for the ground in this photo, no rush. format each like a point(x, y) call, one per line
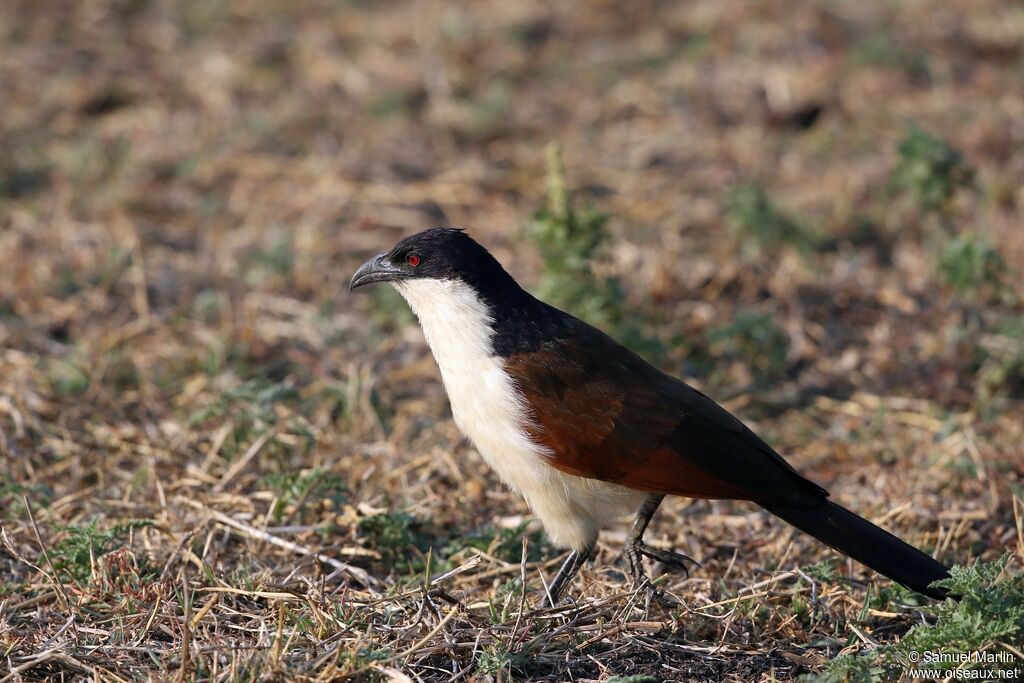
point(218, 464)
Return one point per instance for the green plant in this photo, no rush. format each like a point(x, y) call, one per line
point(826, 570)
point(301, 488)
point(400, 538)
point(971, 265)
point(391, 102)
point(850, 669)
point(755, 339)
point(252, 408)
point(761, 224)
point(278, 259)
point(1000, 359)
point(884, 595)
point(570, 241)
point(930, 171)
point(500, 605)
point(881, 48)
point(388, 310)
point(388, 531)
point(67, 377)
point(505, 544)
point(12, 493)
point(497, 657)
point(990, 611)
point(75, 552)
point(362, 658)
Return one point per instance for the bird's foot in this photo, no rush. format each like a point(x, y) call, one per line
point(670, 559)
point(638, 549)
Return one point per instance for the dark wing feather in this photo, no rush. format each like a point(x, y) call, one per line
point(605, 413)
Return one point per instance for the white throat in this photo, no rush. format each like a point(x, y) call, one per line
point(457, 325)
point(492, 412)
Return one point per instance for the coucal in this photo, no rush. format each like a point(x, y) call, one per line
point(587, 431)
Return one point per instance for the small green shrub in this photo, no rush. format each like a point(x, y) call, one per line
point(761, 224)
point(504, 600)
point(570, 241)
point(251, 406)
point(971, 265)
point(1000, 371)
point(278, 260)
point(11, 496)
point(990, 611)
point(83, 543)
point(826, 570)
point(401, 539)
point(393, 102)
point(388, 310)
point(388, 531)
point(850, 669)
point(930, 171)
point(67, 377)
point(304, 488)
point(505, 544)
point(362, 660)
point(756, 340)
point(493, 659)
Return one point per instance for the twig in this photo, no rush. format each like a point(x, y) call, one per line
point(240, 464)
point(462, 568)
point(356, 573)
point(52, 575)
point(186, 539)
point(43, 657)
point(275, 650)
point(266, 595)
point(186, 631)
point(522, 590)
point(214, 599)
point(149, 621)
point(863, 637)
point(423, 641)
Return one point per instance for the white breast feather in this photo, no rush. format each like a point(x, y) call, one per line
point(490, 410)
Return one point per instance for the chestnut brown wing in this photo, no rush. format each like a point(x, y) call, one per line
point(605, 413)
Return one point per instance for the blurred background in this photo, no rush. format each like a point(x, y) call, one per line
point(813, 211)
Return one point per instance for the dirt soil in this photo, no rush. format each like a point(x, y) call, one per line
point(218, 464)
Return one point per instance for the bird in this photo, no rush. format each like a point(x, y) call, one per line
point(587, 431)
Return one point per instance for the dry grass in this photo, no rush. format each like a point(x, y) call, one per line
point(217, 464)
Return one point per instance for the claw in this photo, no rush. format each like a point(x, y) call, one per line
point(636, 548)
point(669, 558)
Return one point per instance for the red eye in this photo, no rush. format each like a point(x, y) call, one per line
point(412, 259)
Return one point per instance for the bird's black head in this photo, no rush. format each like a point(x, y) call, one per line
point(518, 321)
point(438, 253)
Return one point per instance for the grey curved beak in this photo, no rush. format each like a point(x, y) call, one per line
point(377, 269)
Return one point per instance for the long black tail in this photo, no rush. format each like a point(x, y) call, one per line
point(868, 544)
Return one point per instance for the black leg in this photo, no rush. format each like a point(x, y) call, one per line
point(565, 573)
point(636, 548)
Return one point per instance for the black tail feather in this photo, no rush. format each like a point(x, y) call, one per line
point(869, 544)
